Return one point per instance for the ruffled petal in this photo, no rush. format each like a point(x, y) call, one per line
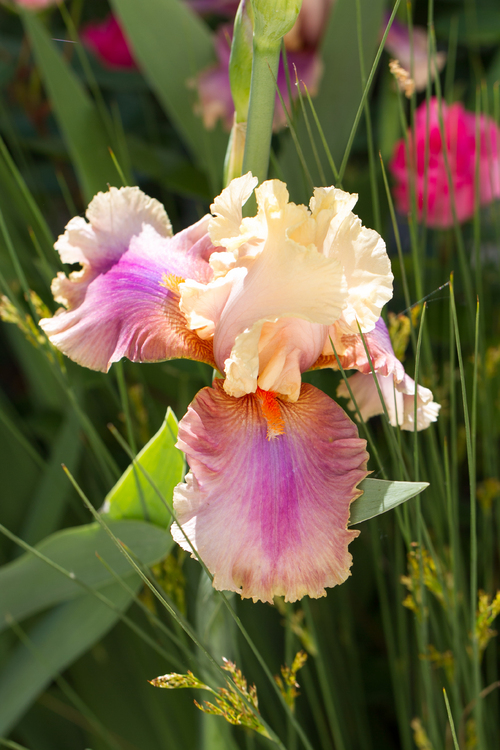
point(427, 408)
point(130, 311)
point(276, 279)
point(113, 219)
point(269, 516)
point(124, 302)
point(224, 227)
point(399, 399)
point(366, 266)
point(367, 271)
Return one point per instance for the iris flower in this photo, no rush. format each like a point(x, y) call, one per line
point(274, 463)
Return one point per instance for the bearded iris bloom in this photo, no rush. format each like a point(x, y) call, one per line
point(274, 463)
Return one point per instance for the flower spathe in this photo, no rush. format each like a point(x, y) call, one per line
point(214, 88)
point(274, 464)
point(434, 194)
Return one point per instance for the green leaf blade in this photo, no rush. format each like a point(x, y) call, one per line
point(54, 643)
point(29, 584)
point(83, 131)
point(133, 496)
point(380, 495)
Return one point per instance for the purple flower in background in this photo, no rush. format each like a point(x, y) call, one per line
point(398, 44)
point(214, 7)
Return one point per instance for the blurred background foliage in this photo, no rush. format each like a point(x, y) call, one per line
point(76, 653)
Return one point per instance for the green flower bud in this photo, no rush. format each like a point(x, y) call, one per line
point(240, 63)
point(273, 19)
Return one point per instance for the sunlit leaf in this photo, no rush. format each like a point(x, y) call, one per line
point(379, 496)
point(133, 496)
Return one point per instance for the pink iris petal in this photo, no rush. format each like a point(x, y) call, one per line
point(396, 387)
point(399, 400)
point(108, 43)
point(125, 302)
point(351, 350)
point(431, 181)
point(269, 516)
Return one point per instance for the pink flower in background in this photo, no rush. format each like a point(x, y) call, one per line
point(36, 4)
point(397, 43)
point(463, 152)
point(108, 43)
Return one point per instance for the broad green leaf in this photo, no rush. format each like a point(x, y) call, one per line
point(29, 584)
point(133, 495)
point(171, 45)
point(379, 496)
point(55, 642)
point(77, 116)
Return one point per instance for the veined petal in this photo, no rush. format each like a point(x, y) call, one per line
point(352, 353)
point(125, 300)
point(397, 388)
point(269, 516)
point(129, 311)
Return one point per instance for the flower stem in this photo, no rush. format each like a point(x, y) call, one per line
point(261, 108)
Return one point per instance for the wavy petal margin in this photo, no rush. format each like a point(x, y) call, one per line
point(269, 516)
point(125, 300)
point(399, 399)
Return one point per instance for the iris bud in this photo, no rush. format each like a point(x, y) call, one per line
point(272, 20)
